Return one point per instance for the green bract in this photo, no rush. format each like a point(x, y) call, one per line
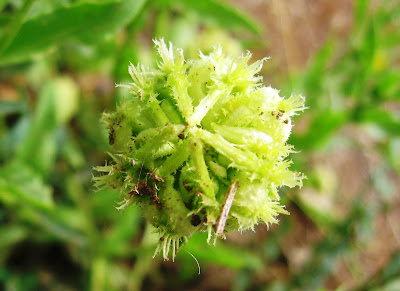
point(200, 146)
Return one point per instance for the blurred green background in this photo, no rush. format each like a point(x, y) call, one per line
point(59, 62)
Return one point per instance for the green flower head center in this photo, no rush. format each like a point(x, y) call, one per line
point(200, 145)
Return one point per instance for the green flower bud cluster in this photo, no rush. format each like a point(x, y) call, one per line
point(200, 145)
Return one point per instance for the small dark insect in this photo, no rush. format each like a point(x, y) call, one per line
point(195, 220)
point(181, 136)
point(286, 121)
point(273, 113)
point(111, 137)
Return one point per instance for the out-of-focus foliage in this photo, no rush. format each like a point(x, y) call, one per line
point(59, 61)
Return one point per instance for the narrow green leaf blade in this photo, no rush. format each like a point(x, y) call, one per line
point(220, 13)
point(10, 235)
point(20, 185)
point(321, 128)
point(58, 103)
point(222, 254)
point(382, 118)
point(85, 22)
point(360, 12)
point(368, 46)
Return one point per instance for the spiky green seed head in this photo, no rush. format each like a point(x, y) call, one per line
point(200, 145)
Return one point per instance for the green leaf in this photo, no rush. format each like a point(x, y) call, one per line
point(313, 81)
point(323, 217)
point(391, 151)
point(20, 185)
point(126, 227)
point(386, 14)
point(382, 118)
point(10, 235)
point(85, 22)
point(360, 12)
point(2, 4)
point(222, 14)
point(4, 22)
point(72, 153)
point(7, 107)
point(14, 25)
point(388, 84)
point(321, 128)
point(222, 254)
point(58, 103)
point(60, 222)
point(368, 46)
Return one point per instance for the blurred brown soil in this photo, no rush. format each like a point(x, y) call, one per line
point(293, 30)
